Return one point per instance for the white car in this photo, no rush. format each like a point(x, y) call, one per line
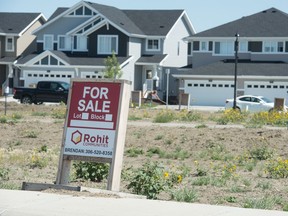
point(251, 103)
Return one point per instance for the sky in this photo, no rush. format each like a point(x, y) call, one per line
point(204, 14)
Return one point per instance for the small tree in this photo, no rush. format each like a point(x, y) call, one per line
point(112, 67)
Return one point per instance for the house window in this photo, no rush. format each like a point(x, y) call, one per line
point(48, 42)
point(9, 44)
point(153, 44)
point(224, 48)
point(148, 74)
point(190, 48)
point(80, 43)
point(204, 46)
point(64, 42)
point(107, 44)
point(243, 46)
point(196, 45)
point(255, 46)
point(273, 46)
point(81, 11)
point(45, 60)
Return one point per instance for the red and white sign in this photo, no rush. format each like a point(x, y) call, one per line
point(92, 119)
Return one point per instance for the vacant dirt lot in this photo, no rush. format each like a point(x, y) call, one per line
point(218, 163)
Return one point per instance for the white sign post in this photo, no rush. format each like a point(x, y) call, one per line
point(95, 126)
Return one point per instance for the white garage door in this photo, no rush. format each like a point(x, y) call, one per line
point(207, 93)
point(267, 89)
point(93, 75)
point(33, 77)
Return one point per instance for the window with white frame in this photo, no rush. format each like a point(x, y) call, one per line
point(64, 42)
point(153, 44)
point(10, 44)
point(243, 46)
point(79, 43)
point(107, 44)
point(190, 48)
point(224, 47)
point(273, 46)
point(204, 46)
point(82, 11)
point(48, 42)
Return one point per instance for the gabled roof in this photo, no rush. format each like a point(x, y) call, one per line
point(140, 23)
point(72, 61)
point(244, 68)
point(268, 23)
point(154, 22)
point(117, 17)
point(16, 23)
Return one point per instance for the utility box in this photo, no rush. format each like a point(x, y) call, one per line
point(279, 104)
point(136, 97)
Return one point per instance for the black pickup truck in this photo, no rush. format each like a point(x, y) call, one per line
point(45, 91)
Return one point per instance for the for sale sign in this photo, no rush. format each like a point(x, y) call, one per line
point(92, 119)
point(94, 129)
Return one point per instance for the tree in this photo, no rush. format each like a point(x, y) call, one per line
point(112, 67)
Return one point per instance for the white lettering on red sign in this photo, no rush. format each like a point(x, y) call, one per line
point(94, 106)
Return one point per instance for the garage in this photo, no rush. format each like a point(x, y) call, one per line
point(209, 92)
point(268, 89)
point(33, 77)
point(92, 75)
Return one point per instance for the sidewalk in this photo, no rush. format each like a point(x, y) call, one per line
point(28, 203)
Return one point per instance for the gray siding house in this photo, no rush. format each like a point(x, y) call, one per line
point(262, 67)
point(75, 41)
point(16, 40)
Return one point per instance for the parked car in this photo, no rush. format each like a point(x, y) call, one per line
point(251, 103)
point(45, 91)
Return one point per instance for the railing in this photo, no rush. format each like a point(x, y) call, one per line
point(147, 87)
point(4, 85)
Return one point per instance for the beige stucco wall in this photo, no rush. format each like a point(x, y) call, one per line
point(26, 39)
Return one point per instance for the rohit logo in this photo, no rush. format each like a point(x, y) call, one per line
point(76, 137)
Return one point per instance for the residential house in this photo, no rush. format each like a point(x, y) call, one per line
point(75, 42)
point(261, 67)
point(16, 40)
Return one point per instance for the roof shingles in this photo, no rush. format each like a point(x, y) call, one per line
point(267, 23)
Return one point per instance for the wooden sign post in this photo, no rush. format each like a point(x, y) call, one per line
point(95, 126)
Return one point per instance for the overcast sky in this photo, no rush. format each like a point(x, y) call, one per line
point(204, 14)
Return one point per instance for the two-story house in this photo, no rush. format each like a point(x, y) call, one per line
point(15, 40)
point(261, 67)
point(75, 42)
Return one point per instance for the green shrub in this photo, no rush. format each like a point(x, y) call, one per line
point(189, 116)
point(4, 174)
point(134, 152)
point(277, 168)
point(149, 180)
point(154, 150)
point(38, 160)
point(30, 134)
point(16, 116)
point(185, 195)
point(164, 117)
point(266, 202)
point(231, 116)
point(59, 112)
point(261, 153)
point(133, 118)
point(91, 170)
point(3, 119)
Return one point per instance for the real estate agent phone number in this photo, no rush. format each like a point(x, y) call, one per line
point(98, 152)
